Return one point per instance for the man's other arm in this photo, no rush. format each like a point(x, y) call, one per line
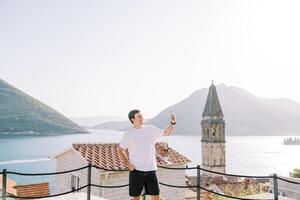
point(122, 154)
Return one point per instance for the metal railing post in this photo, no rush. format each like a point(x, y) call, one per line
point(4, 181)
point(198, 182)
point(275, 186)
point(89, 178)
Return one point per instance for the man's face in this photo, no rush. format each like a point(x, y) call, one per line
point(138, 119)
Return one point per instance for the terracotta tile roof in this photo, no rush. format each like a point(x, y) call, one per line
point(105, 155)
point(33, 190)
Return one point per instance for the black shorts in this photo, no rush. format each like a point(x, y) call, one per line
point(139, 179)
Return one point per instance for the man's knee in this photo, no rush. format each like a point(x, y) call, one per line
point(136, 198)
point(155, 197)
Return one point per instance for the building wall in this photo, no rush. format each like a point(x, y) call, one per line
point(213, 157)
point(214, 154)
point(172, 177)
point(71, 160)
point(213, 145)
point(117, 178)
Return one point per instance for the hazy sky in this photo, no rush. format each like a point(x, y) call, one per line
point(87, 58)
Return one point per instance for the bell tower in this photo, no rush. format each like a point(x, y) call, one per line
point(213, 134)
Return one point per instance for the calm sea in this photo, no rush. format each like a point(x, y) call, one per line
point(250, 155)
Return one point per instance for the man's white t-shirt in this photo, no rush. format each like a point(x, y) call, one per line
point(141, 146)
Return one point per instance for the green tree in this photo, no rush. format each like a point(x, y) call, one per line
point(296, 173)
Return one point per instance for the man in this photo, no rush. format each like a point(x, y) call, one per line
point(140, 140)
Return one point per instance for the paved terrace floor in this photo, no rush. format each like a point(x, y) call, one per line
point(74, 196)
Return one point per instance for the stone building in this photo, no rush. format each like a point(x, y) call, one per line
point(105, 156)
point(213, 134)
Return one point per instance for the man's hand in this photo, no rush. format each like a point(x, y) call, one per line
point(169, 129)
point(173, 118)
point(130, 167)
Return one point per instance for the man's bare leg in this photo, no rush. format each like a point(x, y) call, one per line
point(136, 198)
point(155, 197)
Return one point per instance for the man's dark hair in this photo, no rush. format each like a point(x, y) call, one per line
point(131, 114)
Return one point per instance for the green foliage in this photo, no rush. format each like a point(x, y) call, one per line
point(297, 170)
point(296, 173)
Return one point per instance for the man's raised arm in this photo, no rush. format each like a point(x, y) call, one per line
point(169, 129)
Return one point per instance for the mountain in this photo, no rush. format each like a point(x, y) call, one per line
point(20, 112)
point(92, 121)
point(244, 114)
point(113, 125)
point(116, 125)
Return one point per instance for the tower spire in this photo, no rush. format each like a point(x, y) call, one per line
point(212, 105)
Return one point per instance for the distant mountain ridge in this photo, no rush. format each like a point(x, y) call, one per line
point(19, 112)
point(94, 120)
point(244, 114)
point(113, 125)
point(117, 125)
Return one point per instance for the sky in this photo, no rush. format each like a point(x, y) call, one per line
point(87, 58)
